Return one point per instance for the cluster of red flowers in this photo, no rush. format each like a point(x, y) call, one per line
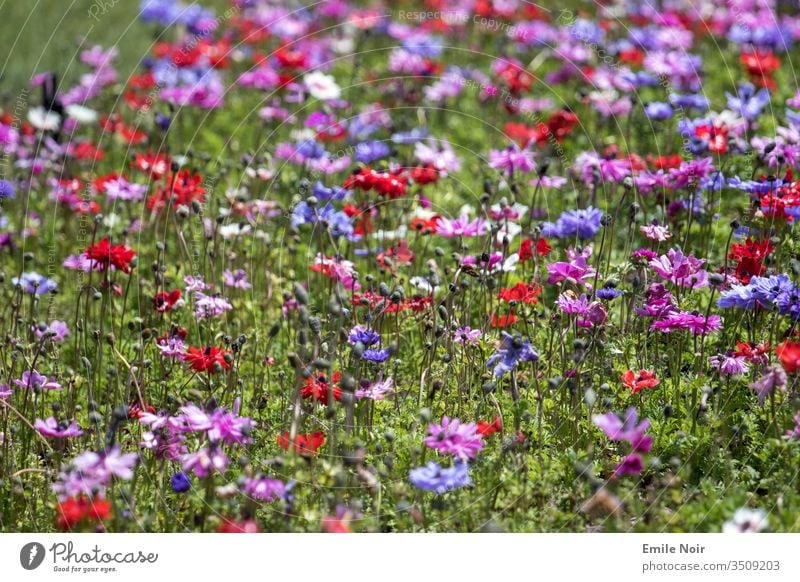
point(417, 303)
point(750, 257)
point(527, 249)
point(114, 124)
point(317, 387)
point(108, 255)
point(559, 125)
point(391, 184)
point(81, 510)
point(204, 359)
point(182, 189)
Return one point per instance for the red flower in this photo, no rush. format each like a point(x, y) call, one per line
point(526, 249)
point(304, 444)
point(424, 174)
point(489, 428)
point(204, 359)
point(521, 293)
point(789, 354)
point(75, 510)
point(752, 352)
point(317, 387)
point(106, 254)
point(157, 165)
point(504, 320)
point(183, 188)
point(425, 225)
point(642, 379)
point(761, 65)
point(164, 301)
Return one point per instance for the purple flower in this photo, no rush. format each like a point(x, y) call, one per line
point(627, 428)
point(774, 378)
point(455, 438)
point(748, 102)
point(121, 189)
point(264, 488)
point(432, 477)
point(682, 270)
point(511, 159)
point(37, 381)
point(210, 305)
point(5, 391)
point(466, 335)
point(512, 350)
point(583, 223)
point(205, 461)
point(236, 279)
point(729, 365)
point(377, 390)
point(56, 331)
point(57, 430)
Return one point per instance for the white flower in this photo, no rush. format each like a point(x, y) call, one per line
point(81, 113)
point(321, 86)
point(41, 118)
point(746, 520)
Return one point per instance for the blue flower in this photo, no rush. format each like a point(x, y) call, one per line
point(748, 102)
point(512, 350)
point(7, 189)
point(698, 102)
point(322, 192)
point(584, 223)
point(376, 355)
point(432, 477)
point(608, 293)
point(658, 110)
point(369, 151)
point(774, 292)
point(34, 283)
point(364, 335)
point(180, 483)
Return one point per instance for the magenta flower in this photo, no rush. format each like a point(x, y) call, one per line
point(455, 438)
point(729, 365)
point(53, 429)
point(683, 320)
point(575, 272)
point(5, 391)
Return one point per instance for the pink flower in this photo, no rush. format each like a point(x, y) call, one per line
point(456, 438)
point(682, 270)
point(656, 232)
point(461, 226)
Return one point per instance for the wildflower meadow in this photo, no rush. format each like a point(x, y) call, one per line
point(429, 266)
